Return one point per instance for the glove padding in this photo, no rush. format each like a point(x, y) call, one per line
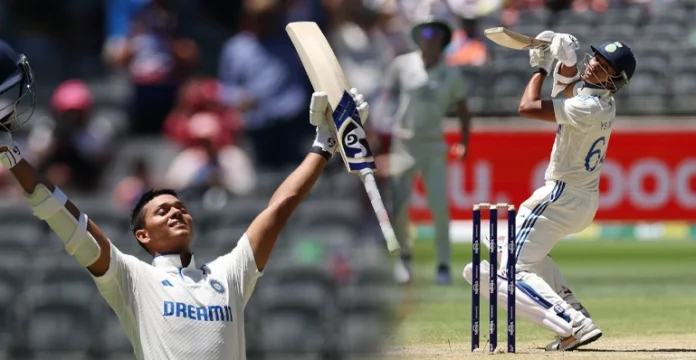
point(541, 57)
point(318, 116)
point(360, 103)
point(9, 151)
point(563, 47)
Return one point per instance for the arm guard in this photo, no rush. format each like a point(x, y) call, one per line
point(560, 82)
point(50, 207)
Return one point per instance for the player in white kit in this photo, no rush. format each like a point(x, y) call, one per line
point(568, 202)
point(424, 88)
point(171, 308)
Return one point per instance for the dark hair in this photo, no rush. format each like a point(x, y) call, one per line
point(137, 218)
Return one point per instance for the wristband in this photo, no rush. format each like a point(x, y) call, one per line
point(11, 157)
point(320, 151)
point(541, 71)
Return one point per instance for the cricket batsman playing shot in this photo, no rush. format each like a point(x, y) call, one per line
point(171, 308)
point(568, 202)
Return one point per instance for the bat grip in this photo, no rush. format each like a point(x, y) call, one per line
point(368, 178)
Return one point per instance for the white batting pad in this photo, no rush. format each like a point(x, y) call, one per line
point(526, 307)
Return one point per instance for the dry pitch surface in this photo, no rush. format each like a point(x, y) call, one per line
point(643, 347)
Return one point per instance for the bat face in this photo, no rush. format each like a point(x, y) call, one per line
point(513, 40)
point(352, 139)
point(326, 74)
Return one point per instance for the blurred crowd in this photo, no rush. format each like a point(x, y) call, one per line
point(220, 80)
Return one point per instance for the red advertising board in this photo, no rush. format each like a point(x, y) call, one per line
point(647, 175)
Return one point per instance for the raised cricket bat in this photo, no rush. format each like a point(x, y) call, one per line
point(326, 74)
point(513, 40)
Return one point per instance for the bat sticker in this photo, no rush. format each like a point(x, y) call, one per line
point(356, 150)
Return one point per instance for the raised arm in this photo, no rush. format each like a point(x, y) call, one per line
point(562, 48)
point(564, 80)
point(82, 238)
point(264, 230)
point(531, 104)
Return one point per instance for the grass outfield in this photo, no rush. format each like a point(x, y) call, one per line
point(642, 295)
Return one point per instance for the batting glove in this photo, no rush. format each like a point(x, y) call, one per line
point(541, 57)
point(9, 151)
point(563, 47)
point(318, 116)
point(361, 104)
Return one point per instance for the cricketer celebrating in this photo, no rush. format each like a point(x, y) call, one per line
point(568, 202)
point(424, 88)
point(170, 309)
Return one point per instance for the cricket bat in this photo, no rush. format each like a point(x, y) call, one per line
point(326, 75)
point(513, 40)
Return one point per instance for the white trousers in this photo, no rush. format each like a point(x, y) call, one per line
point(553, 212)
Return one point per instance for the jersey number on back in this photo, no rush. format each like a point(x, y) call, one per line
point(595, 156)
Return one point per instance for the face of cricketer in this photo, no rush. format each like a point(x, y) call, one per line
point(430, 41)
point(168, 226)
point(599, 72)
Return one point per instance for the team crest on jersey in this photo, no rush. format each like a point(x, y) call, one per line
point(217, 286)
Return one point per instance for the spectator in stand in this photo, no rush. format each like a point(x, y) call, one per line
point(197, 96)
point(159, 58)
point(361, 47)
point(133, 186)
point(209, 157)
point(72, 147)
point(263, 77)
point(466, 48)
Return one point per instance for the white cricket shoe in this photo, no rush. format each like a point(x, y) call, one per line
point(583, 334)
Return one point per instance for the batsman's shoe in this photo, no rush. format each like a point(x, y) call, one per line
point(443, 276)
point(585, 333)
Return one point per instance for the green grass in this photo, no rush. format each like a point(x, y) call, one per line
point(632, 289)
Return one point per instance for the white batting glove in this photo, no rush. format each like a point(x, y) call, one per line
point(563, 47)
point(541, 57)
point(361, 104)
point(318, 116)
point(9, 151)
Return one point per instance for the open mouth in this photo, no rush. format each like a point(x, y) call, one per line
point(179, 224)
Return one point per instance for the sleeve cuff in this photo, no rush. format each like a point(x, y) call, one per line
point(112, 272)
point(559, 110)
point(245, 246)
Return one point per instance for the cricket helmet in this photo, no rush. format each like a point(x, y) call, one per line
point(621, 58)
point(420, 29)
point(17, 92)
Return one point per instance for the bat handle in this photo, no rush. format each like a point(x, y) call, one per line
point(368, 178)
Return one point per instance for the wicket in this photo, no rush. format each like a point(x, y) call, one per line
point(492, 276)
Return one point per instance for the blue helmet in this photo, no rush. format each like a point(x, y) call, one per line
point(621, 58)
point(17, 93)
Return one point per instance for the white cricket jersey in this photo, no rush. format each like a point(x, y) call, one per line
point(582, 138)
point(169, 311)
point(424, 96)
